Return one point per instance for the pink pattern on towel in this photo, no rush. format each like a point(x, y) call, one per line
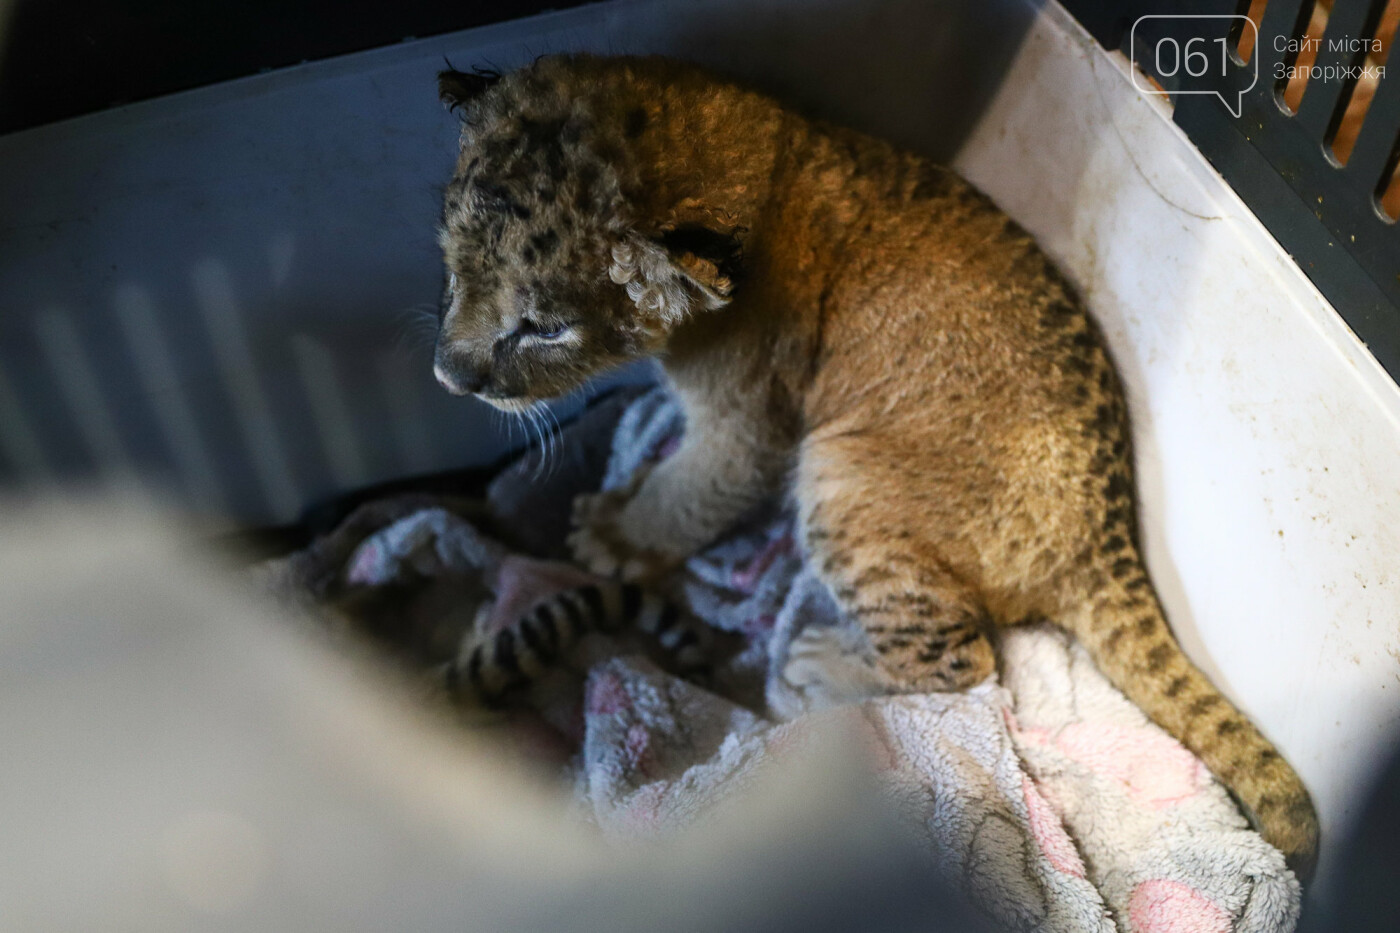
point(606, 695)
point(745, 579)
point(636, 746)
point(1157, 771)
point(1162, 906)
point(1049, 833)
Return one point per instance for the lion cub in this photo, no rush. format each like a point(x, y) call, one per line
point(842, 317)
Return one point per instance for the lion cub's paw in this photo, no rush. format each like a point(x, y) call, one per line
point(602, 547)
point(825, 667)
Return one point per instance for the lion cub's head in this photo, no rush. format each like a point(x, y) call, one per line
point(554, 273)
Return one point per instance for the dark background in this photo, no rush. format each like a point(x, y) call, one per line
point(63, 58)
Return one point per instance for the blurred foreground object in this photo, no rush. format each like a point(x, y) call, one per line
point(178, 757)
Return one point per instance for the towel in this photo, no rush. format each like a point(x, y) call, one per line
point(1043, 792)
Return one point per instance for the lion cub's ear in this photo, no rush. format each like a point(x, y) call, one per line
point(457, 88)
point(671, 272)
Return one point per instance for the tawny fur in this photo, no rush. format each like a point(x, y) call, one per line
point(843, 319)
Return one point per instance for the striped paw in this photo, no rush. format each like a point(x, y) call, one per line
point(489, 666)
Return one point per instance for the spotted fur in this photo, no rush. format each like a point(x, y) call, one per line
point(487, 669)
point(843, 319)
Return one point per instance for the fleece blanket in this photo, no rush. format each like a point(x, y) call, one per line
point(1043, 792)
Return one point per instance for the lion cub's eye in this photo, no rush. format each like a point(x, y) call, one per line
point(531, 328)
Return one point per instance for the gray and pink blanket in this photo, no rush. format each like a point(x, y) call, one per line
point(1044, 793)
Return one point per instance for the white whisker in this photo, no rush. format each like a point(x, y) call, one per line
point(547, 421)
point(544, 441)
point(556, 432)
point(526, 425)
point(541, 445)
point(415, 327)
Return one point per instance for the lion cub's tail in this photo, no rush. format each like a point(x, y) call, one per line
point(1125, 630)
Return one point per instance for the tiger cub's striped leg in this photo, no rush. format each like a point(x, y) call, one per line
point(491, 664)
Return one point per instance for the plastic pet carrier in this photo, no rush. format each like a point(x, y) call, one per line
point(220, 296)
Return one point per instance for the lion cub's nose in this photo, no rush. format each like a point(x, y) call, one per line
point(456, 374)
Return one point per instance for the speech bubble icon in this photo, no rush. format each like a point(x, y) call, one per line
point(1202, 60)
